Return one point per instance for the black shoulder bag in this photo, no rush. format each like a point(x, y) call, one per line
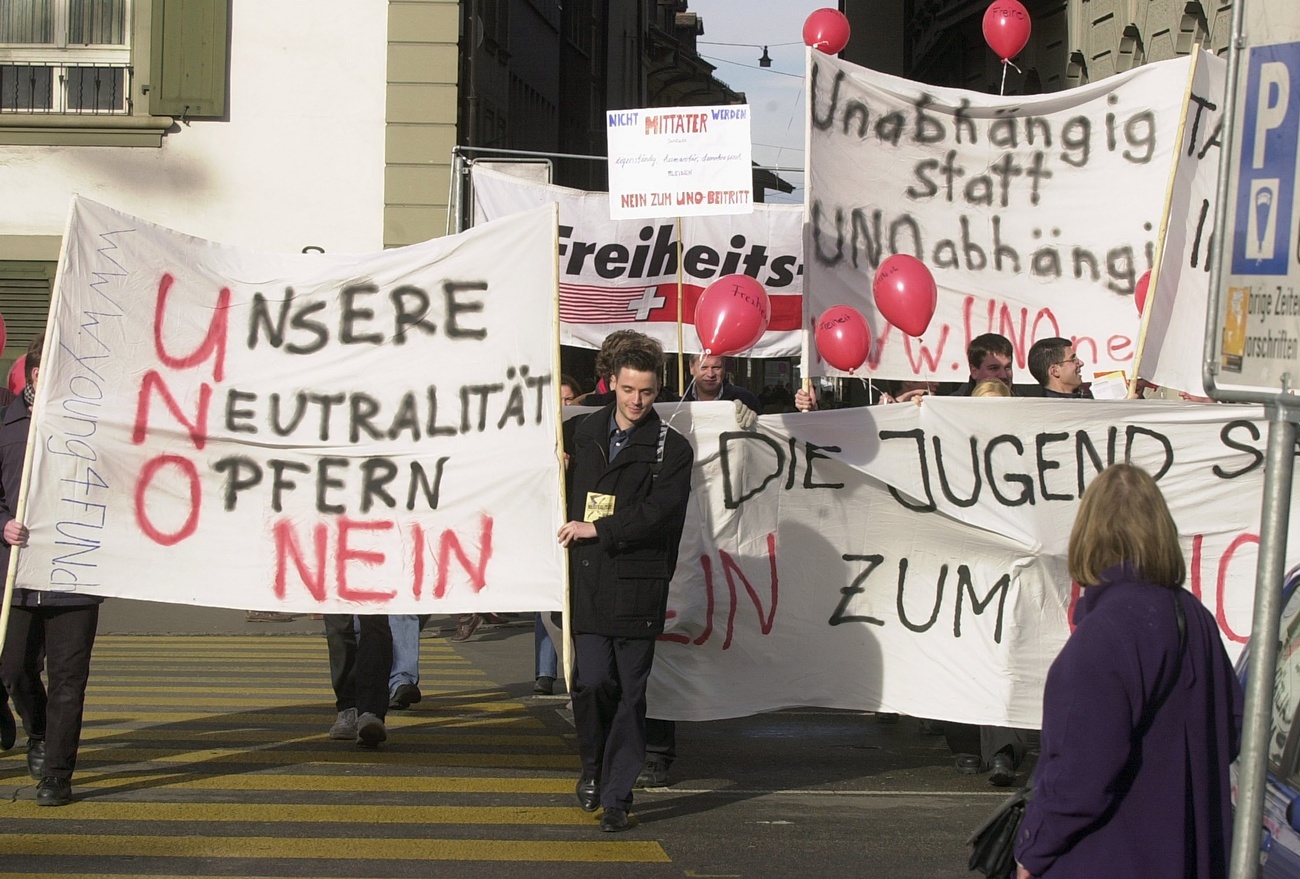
point(993, 842)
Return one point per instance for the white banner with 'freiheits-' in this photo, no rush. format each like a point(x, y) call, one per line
point(303, 432)
point(622, 274)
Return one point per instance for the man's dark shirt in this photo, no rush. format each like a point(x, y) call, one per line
point(729, 391)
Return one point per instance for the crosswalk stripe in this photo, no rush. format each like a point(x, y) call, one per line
point(462, 717)
point(346, 753)
point(317, 847)
point(167, 813)
point(411, 733)
point(445, 687)
point(301, 781)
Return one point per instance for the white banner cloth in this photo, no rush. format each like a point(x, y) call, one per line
point(623, 274)
point(1173, 352)
point(1035, 214)
point(912, 559)
point(312, 432)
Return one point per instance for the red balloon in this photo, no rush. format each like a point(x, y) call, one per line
point(17, 375)
point(732, 315)
point(1006, 28)
point(905, 293)
point(1140, 291)
point(843, 337)
point(826, 30)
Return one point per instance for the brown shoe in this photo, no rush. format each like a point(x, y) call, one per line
point(467, 626)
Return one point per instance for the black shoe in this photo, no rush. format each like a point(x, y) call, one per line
point(36, 758)
point(405, 696)
point(588, 791)
point(1003, 774)
point(53, 791)
point(8, 726)
point(545, 685)
point(614, 820)
point(655, 774)
point(466, 627)
point(968, 764)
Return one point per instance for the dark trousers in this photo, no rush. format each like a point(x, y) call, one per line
point(360, 662)
point(962, 739)
point(610, 676)
point(660, 741)
point(66, 636)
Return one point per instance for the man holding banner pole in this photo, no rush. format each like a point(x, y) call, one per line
point(53, 630)
point(629, 483)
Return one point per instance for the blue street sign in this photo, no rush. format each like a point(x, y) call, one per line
point(1266, 182)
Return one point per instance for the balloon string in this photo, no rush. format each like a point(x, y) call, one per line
point(686, 393)
point(1006, 62)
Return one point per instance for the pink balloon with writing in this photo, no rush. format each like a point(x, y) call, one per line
point(1006, 28)
point(843, 338)
point(905, 293)
point(731, 315)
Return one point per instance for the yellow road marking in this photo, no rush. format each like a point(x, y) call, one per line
point(409, 732)
point(253, 699)
point(403, 849)
point(340, 813)
point(463, 716)
point(440, 687)
point(441, 784)
point(346, 753)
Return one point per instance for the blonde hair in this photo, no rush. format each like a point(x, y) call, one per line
point(991, 387)
point(1124, 519)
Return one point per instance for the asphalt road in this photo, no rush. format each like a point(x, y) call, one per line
point(475, 782)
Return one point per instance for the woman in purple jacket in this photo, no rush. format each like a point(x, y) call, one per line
point(1141, 710)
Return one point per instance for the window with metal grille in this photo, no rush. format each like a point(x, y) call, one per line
point(65, 56)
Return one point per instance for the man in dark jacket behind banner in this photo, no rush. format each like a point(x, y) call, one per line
point(629, 481)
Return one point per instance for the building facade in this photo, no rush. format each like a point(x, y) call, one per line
point(246, 129)
point(1072, 41)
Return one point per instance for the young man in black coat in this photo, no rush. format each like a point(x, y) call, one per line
point(629, 481)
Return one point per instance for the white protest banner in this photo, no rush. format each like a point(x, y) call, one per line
point(1035, 214)
point(912, 559)
point(680, 162)
point(1175, 310)
point(302, 432)
point(622, 274)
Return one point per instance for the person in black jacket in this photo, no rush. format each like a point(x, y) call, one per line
point(57, 625)
point(629, 481)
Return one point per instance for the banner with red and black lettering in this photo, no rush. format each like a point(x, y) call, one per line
point(913, 558)
point(1036, 214)
point(229, 428)
point(622, 274)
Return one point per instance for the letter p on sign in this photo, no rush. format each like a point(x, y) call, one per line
point(1272, 98)
point(1269, 125)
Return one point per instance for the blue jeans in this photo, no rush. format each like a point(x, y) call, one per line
point(547, 662)
point(406, 650)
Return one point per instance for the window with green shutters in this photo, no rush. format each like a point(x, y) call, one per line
point(25, 289)
point(190, 46)
point(110, 72)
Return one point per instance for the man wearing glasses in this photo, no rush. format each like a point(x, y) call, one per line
point(1057, 368)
